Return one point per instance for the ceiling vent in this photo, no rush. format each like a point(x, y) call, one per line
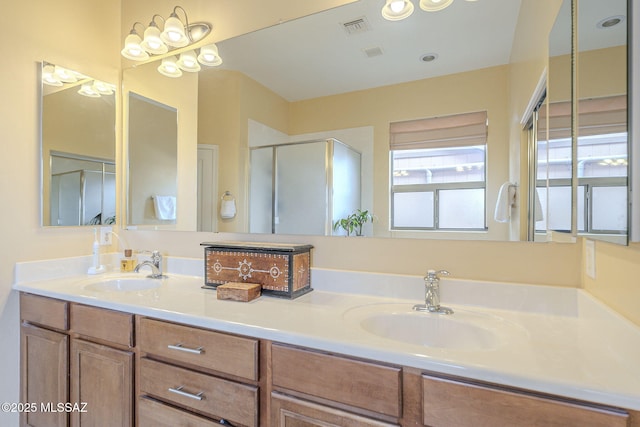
point(356, 26)
point(372, 51)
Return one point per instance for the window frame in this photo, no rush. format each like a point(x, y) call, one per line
point(435, 188)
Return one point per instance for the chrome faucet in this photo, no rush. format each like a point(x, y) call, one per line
point(432, 294)
point(156, 266)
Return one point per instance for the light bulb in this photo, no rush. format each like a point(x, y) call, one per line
point(397, 6)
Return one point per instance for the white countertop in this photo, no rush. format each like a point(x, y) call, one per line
point(552, 340)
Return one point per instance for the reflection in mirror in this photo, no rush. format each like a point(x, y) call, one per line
point(588, 197)
point(152, 177)
point(375, 77)
point(78, 149)
point(602, 152)
point(321, 186)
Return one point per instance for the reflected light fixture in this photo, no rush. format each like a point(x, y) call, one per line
point(87, 90)
point(102, 88)
point(209, 55)
point(395, 10)
point(188, 62)
point(49, 76)
point(434, 5)
point(169, 67)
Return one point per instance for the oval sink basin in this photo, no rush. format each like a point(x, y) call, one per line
point(463, 330)
point(124, 284)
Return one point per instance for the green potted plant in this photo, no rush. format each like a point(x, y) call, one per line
point(352, 224)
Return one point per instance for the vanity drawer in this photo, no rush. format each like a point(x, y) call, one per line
point(369, 386)
point(44, 311)
point(229, 354)
point(447, 402)
point(152, 413)
point(102, 324)
point(214, 397)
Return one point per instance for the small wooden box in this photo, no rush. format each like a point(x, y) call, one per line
point(235, 291)
point(283, 270)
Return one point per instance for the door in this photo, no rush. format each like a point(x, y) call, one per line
point(101, 385)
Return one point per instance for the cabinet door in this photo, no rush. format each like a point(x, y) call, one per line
point(101, 384)
point(44, 372)
point(287, 411)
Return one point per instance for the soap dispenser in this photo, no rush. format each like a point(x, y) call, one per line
point(128, 263)
point(96, 268)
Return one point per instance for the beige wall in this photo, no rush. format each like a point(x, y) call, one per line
point(81, 35)
point(227, 100)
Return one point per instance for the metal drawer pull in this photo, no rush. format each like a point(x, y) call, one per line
point(180, 347)
point(179, 391)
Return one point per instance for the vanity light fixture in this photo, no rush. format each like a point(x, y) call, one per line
point(133, 46)
point(174, 34)
point(434, 5)
point(152, 42)
point(395, 10)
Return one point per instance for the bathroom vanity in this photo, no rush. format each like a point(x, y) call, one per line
point(173, 354)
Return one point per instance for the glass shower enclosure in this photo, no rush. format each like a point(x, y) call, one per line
point(303, 187)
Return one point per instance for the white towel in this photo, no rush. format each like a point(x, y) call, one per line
point(506, 199)
point(165, 207)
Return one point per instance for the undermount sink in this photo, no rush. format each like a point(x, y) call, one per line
point(463, 330)
point(123, 284)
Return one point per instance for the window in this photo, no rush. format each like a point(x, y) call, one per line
point(601, 170)
point(438, 170)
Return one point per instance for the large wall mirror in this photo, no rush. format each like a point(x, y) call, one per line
point(286, 84)
point(78, 148)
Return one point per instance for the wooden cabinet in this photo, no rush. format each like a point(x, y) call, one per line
point(101, 377)
point(208, 373)
point(336, 382)
point(156, 414)
point(44, 359)
point(193, 377)
point(44, 368)
point(291, 412)
point(79, 357)
point(101, 366)
point(458, 403)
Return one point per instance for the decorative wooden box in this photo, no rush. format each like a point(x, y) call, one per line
point(283, 270)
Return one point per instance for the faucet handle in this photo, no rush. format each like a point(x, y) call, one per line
point(433, 274)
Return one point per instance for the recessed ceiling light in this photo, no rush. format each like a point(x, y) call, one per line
point(611, 21)
point(429, 57)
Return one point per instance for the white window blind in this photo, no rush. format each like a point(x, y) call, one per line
point(596, 116)
point(440, 132)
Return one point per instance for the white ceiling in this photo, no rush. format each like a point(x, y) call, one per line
point(314, 56)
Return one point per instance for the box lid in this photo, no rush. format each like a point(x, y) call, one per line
point(266, 246)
